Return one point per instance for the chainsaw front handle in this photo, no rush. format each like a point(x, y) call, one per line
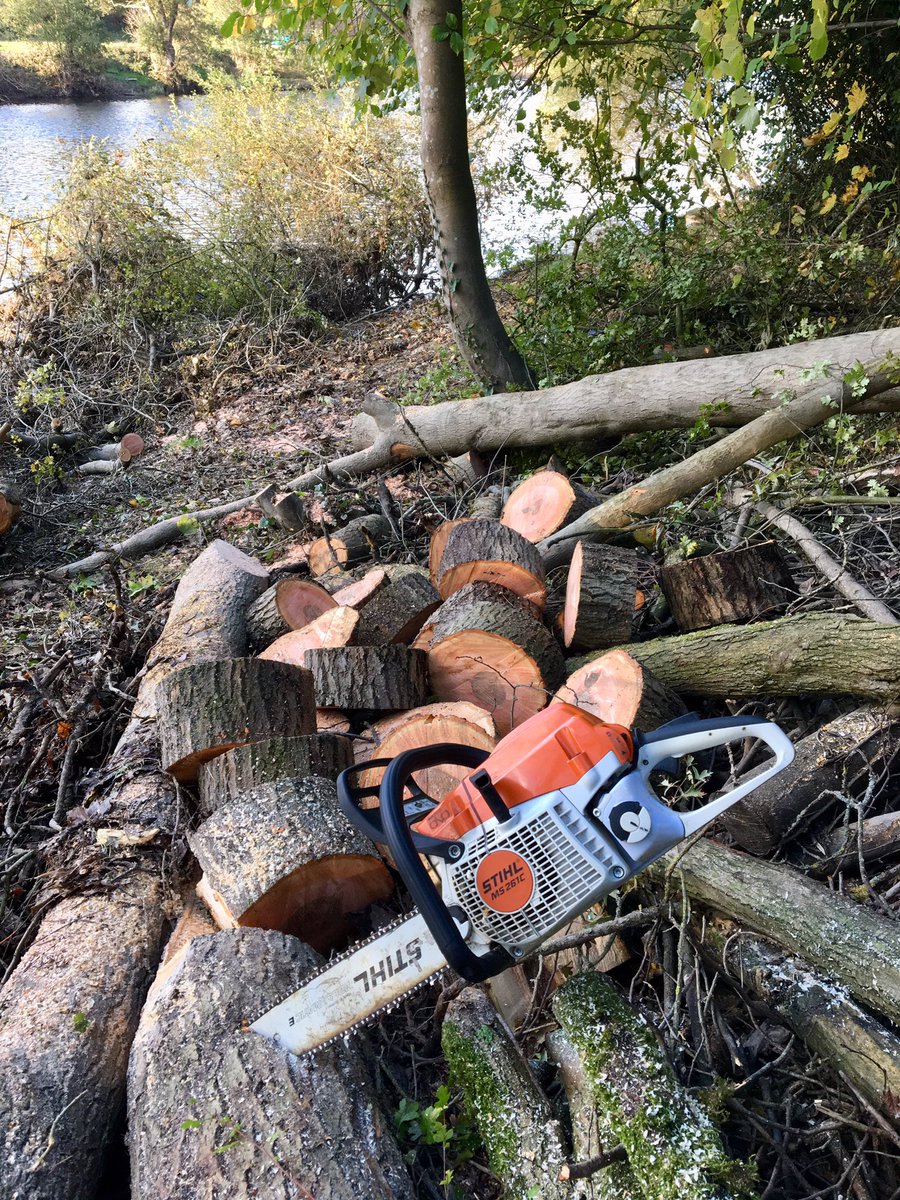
point(686, 736)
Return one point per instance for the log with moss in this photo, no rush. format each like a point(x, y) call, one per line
point(231, 774)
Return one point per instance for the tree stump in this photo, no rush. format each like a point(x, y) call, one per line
point(358, 593)
point(736, 585)
point(616, 688)
point(399, 611)
point(284, 856)
point(214, 1112)
point(356, 542)
point(487, 649)
point(336, 627)
point(488, 552)
point(211, 707)
point(600, 597)
point(370, 678)
point(289, 604)
point(228, 776)
point(543, 503)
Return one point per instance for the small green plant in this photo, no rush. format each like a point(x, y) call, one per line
point(137, 584)
point(80, 1023)
point(38, 391)
point(434, 1125)
point(190, 442)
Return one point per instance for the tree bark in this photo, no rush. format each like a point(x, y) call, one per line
point(601, 590)
point(488, 552)
point(214, 1112)
point(371, 678)
point(399, 611)
point(616, 688)
point(736, 585)
point(819, 654)
point(444, 149)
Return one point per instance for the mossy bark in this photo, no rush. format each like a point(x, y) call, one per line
point(674, 1150)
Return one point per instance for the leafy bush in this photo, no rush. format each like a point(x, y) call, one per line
point(72, 29)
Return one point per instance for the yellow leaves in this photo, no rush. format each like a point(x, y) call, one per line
point(861, 173)
point(825, 132)
point(842, 152)
point(856, 98)
point(63, 730)
point(828, 204)
point(850, 193)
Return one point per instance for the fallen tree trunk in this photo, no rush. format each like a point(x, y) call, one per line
point(854, 945)
point(873, 839)
point(231, 774)
point(820, 654)
point(216, 1112)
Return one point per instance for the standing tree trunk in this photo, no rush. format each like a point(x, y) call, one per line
point(482, 340)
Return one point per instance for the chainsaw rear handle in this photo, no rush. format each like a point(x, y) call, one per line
point(399, 837)
point(692, 736)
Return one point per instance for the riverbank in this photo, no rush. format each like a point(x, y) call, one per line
point(29, 73)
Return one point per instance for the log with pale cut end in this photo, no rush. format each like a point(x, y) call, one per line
point(217, 1111)
point(229, 775)
point(544, 503)
point(133, 443)
point(332, 720)
point(399, 611)
point(438, 545)
point(523, 1139)
point(284, 856)
point(10, 506)
point(193, 922)
point(840, 759)
point(616, 688)
point(736, 585)
point(600, 596)
point(207, 620)
point(672, 1146)
point(358, 593)
point(208, 708)
point(336, 627)
point(288, 604)
point(488, 552)
point(371, 678)
point(461, 724)
point(357, 541)
point(487, 649)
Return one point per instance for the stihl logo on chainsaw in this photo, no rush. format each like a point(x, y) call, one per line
point(505, 881)
point(389, 966)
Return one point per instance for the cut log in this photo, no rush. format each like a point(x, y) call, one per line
point(666, 1133)
point(207, 620)
point(544, 503)
point(854, 945)
point(372, 678)
point(209, 708)
point(356, 542)
point(336, 627)
point(289, 513)
point(331, 720)
point(438, 545)
point(213, 1112)
point(487, 649)
point(461, 724)
point(133, 443)
point(600, 597)
point(361, 591)
point(616, 688)
point(840, 849)
point(844, 1037)
point(522, 1138)
point(819, 654)
point(193, 922)
point(488, 552)
point(10, 506)
point(736, 585)
point(284, 856)
point(399, 611)
point(288, 604)
point(840, 759)
point(467, 468)
point(486, 507)
point(228, 776)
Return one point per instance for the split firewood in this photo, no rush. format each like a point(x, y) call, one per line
point(838, 760)
point(736, 585)
point(207, 620)
point(638, 1100)
point(488, 552)
point(821, 654)
point(488, 649)
point(10, 506)
point(283, 856)
point(838, 1032)
point(195, 1126)
point(601, 590)
point(231, 774)
point(543, 503)
point(336, 627)
point(372, 678)
point(855, 946)
point(839, 850)
point(208, 708)
point(618, 689)
point(399, 611)
point(522, 1137)
point(431, 725)
point(358, 593)
point(356, 542)
point(289, 512)
point(288, 604)
point(438, 545)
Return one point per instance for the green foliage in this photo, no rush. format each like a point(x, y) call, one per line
point(436, 1125)
point(72, 29)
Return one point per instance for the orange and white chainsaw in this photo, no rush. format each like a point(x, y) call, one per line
point(559, 815)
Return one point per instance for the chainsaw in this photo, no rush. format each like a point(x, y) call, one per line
point(557, 816)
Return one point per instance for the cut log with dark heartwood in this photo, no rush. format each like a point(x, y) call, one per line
point(217, 1112)
point(616, 688)
point(736, 585)
point(10, 506)
point(488, 552)
point(600, 596)
point(356, 542)
point(207, 709)
point(374, 678)
point(284, 856)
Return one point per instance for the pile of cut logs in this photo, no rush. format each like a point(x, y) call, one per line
point(257, 695)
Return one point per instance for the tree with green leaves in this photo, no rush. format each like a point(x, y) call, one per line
point(72, 29)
